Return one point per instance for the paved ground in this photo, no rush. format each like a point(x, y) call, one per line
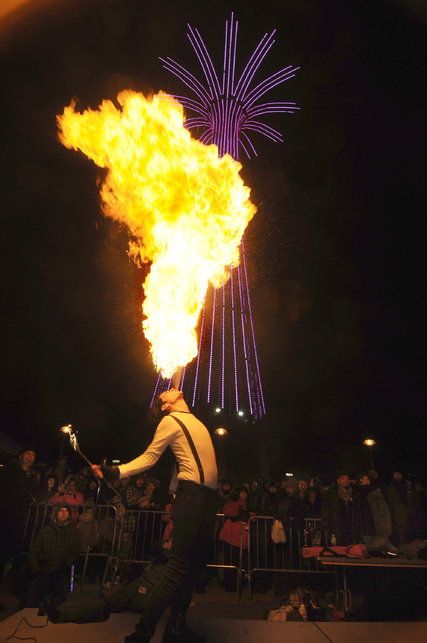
point(216, 630)
point(213, 604)
point(217, 615)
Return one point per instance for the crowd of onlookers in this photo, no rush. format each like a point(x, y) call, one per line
point(386, 514)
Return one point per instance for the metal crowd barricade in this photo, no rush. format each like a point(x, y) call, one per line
point(227, 557)
point(266, 556)
point(141, 529)
point(127, 537)
point(98, 537)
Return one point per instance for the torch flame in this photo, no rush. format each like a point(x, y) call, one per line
point(67, 429)
point(185, 207)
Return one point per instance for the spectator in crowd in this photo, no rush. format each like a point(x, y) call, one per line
point(113, 523)
point(286, 488)
point(92, 492)
point(54, 551)
point(124, 484)
point(81, 479)
point(281, 510)
point(88, 527)
point(373, 476)
point(71, 497)
point(135, 490)
point(378, 520)
point(301, 490)
point(148, 500)
point(257, 497)
point(312, 516)
point(397, 495)
point(234, 534)
point(49, 488)
point(342, 514)
point(272, 499)
point(297, 506)
point(223, 493)
point(315, 483)
point(18, 490)
point(61, 468)
point(89, 536)
point(313, 504)
point(38, 474)
point(238, 499)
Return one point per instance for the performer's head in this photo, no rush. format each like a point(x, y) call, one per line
point(169, 401)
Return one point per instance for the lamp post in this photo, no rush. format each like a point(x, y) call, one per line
point(221, 433)
point(370, 443)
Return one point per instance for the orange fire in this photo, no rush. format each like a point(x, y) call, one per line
point(186, 209)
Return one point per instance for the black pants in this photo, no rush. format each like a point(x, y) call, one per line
point(193, 514)
point(232, 557)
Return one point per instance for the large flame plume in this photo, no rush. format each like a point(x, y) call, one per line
point(186, 209)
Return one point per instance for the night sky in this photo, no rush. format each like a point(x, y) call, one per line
point(335, 252)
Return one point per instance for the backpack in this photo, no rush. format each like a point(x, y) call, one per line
point(87, 606)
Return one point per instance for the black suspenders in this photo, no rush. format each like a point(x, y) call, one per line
point(192, 447)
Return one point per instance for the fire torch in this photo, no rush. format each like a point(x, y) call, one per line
point(72, 435)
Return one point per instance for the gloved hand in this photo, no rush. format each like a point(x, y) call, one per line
point(110, 473)
point(104, 471)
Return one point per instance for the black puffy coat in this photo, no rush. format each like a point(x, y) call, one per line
point(55, 547)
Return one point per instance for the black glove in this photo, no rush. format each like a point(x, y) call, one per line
point(110, 473)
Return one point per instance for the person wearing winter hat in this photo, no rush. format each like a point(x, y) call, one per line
point(53, 552)
point(337, 510)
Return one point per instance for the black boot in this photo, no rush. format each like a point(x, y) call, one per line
point(141, 635)
point(177, 631)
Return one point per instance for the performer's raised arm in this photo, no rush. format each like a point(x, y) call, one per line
point(165, 433)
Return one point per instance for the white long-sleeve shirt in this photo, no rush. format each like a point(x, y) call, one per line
point(169, 433)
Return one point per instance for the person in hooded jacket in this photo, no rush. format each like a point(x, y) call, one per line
point(397, 494)
point(380, 522)
point(52, 554)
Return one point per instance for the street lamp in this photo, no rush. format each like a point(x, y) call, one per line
point(370, 443)
point(221, 433)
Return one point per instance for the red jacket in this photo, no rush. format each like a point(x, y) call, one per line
point(234, 532)
point(73, 500)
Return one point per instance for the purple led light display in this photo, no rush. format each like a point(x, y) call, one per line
point(225, 110)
